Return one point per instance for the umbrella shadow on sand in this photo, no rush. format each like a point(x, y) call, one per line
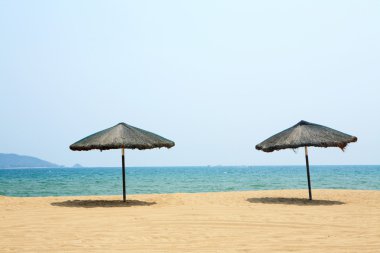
point(101, 203)
point(294, 201)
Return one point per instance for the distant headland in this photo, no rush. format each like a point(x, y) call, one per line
point(22, 161)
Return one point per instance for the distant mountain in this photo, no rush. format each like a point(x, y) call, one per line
point(21, 161)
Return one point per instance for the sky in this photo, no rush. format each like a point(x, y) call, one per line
point(216, 77)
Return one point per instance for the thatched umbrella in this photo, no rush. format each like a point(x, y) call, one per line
point(305, 134)
point(122, 136)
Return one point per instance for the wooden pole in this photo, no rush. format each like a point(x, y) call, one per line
point(123, 163)
point(308, 172)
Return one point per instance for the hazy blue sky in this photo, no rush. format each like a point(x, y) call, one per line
point(216, 77)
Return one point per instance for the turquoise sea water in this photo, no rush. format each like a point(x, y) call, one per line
point(107, 181)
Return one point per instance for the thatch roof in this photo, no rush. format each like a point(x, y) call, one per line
point(122, 136)
point(306, 134)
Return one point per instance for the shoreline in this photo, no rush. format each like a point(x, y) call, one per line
point(209, 192)
point(244, 221)
point(200, 193)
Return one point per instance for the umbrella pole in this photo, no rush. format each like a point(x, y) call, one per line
point(308, 172)
point(123, 163)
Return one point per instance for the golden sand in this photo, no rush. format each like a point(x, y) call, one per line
point(255, 221)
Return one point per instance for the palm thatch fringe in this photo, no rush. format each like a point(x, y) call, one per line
point(305, 134)
point(122, 136)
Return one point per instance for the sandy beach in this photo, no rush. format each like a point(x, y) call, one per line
point(255, 221)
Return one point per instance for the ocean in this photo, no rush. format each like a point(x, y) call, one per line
point(140, 180)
